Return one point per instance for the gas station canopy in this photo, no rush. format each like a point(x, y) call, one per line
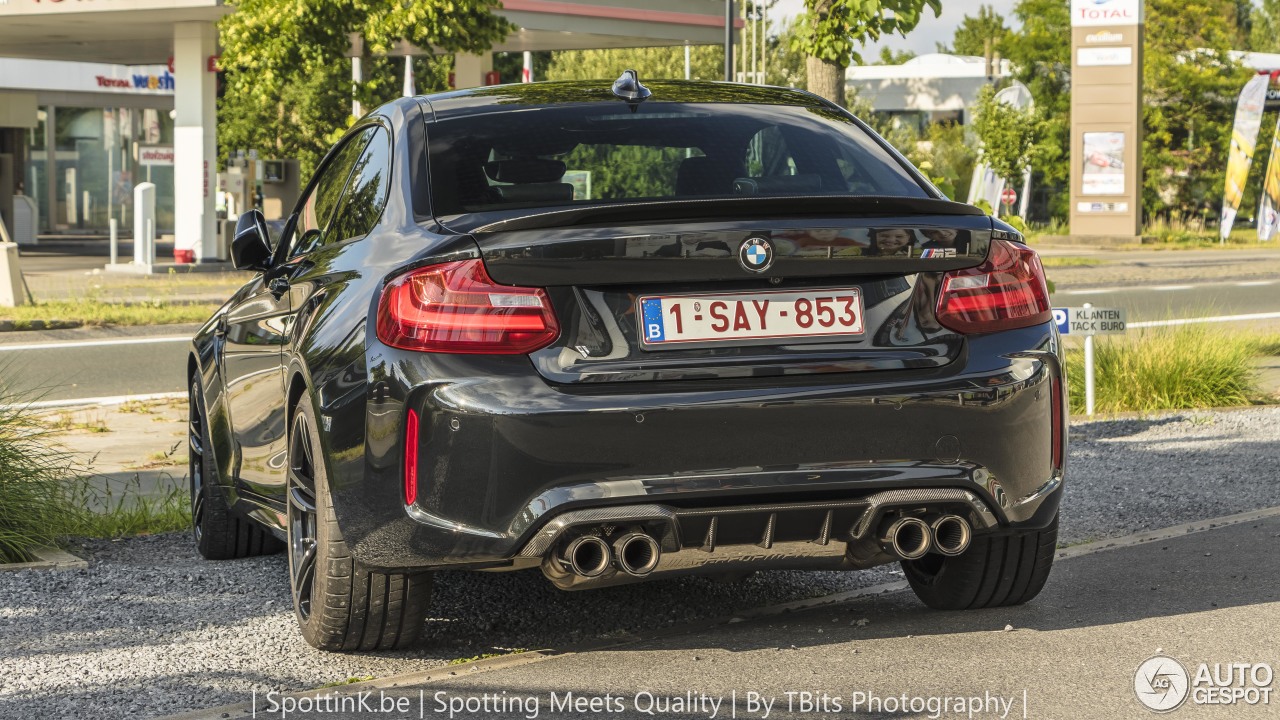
point(183, 35)
point(140, 32)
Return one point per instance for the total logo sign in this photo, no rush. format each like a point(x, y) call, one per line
point(1102, 13)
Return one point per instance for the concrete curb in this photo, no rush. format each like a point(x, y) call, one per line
point(47, 559)
point(515, 660)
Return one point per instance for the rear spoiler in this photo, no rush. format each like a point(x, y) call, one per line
point(656, 211)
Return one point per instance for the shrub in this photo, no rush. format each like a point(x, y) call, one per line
point(33, 511)
point(1177, 368)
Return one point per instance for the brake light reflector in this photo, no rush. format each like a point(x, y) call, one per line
point(1007, 291)
point(457, 308)
point(411, 458)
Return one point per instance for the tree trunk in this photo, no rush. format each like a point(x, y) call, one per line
point(826, 78)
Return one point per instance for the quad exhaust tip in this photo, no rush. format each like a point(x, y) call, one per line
point(588, 556)
point(910, 538)
point(637, 554)
point(951, 535)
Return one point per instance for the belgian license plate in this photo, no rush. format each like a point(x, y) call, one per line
point(749, 317)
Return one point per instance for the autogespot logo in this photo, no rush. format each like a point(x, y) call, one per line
point(1161, 683)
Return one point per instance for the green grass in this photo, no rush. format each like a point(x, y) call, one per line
point(486, 656)
point(1178, 368)
point(94, 512)
point(97, 312)
point(45, 497)
point(32, 508)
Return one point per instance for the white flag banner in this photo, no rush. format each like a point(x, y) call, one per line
point(1244, 140)
point(1269, 210)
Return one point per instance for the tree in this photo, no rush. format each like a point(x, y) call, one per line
point(1189, 106)
point(1264, 36)
point(288, 87)
point(1009, 135)
point(895, 57)
point(706, 62)
point(981, 34)
point(830, 29)
point(1040, 54)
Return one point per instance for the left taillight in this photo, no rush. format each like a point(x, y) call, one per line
point(457, 308)
point(1007, 291)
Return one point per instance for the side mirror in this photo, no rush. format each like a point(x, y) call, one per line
point(250, 248)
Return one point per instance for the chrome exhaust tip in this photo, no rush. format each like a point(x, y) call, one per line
point(637, 554)
point(909, 538)
point(587, 556)
point(951, 535)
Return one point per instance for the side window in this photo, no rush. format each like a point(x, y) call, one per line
point(317, 212)
point(366, 194)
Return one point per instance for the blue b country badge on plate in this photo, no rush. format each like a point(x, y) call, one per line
point(652, 312)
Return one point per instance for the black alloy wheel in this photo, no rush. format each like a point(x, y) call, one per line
point(340, 604)
point(195, 460)
point(220, 533)
point(303, 541)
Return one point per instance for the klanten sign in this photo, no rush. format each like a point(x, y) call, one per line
point(163, 81)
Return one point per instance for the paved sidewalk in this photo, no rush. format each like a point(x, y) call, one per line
point(1209, 597)
point(130, 451)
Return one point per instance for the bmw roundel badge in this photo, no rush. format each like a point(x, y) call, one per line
point(756, 254)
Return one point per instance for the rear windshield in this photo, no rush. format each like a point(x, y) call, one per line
point(567, 155)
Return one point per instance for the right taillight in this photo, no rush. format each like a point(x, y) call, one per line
point(456, 307)
point(1007, 291)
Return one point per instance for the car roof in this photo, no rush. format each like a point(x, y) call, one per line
point(506, 98)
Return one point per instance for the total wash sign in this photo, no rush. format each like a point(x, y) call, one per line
point(1085, 13)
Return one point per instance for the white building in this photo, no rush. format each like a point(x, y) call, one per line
point(925, 89)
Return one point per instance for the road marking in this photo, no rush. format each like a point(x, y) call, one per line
point(95, 343)
point(1099, 291)
point(1171, 288)
point(97, 402)
point(1256, 283)
point(1212, 319)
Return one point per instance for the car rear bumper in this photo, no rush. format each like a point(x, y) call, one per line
point(503, 458)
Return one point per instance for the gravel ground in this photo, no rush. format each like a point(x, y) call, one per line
point(151, 629)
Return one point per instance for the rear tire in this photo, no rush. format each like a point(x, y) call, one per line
point(220, 533)
point(994, 572)
point(339, 603)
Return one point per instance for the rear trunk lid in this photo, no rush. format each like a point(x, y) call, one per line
point(761, 288)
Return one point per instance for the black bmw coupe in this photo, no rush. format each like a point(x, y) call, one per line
point(618, 332)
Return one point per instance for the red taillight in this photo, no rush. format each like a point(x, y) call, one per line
point(1007, 291)
point(411, 458)
point(457, 308)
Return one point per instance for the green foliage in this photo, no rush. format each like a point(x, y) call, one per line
point(706, 62)
point(889, 56)
point(784, 66)
point(31, 506)
point(832, 29)
point(628, 171)
point(975, 32)
point(288, 86)
point(1040, 52)
point(1189, 107)
point(1178, 368)
point(1264, 36)
point(1009, 136)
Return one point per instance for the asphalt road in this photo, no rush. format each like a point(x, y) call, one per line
point(1178, 300)
point(70, 364)
point(1191, 596)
